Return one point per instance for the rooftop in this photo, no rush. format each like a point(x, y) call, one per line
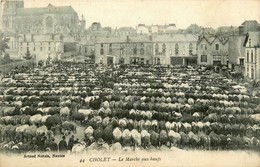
point(176, 38)
point(49, 9)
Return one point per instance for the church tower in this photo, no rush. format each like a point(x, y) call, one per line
point(82, 23)
point(9, 9)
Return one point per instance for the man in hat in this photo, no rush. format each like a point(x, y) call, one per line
point(53, 145)
point(71, 142)
point(34, 144)
point(63, 144)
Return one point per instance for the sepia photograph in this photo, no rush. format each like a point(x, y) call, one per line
point(130, 83)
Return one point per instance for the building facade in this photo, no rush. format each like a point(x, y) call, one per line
point(252, 57)
point(123, 50)
point(42, 46)
point(236, 50)
point(178, 49)
point(50, 19)
point(213, 51)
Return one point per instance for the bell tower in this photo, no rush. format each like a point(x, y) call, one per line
point(9, 8)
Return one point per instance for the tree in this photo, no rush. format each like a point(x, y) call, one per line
point(3, 43)
point(7, 56)
point(28, 55)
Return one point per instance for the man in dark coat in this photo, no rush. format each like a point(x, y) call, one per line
point(71, 142)
point(53, 145)
point(63, 144)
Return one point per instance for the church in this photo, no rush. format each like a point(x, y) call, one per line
point(39, 31)
point(50, 19)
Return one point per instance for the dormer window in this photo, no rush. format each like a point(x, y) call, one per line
point(249, 42)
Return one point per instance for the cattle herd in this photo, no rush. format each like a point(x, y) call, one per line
point(127, 107)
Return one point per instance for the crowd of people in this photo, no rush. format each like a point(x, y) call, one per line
point(126, 107)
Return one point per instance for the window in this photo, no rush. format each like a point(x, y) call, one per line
point(49, 22)
point(33, 48)
point(176, 49)
point(203, 58)
point(41, 48)
point(110, 49)
point(204, 47)
point(121, 51)
point(252, 73)
point(158, 61)
point(247, 56)
point(135, 50)
point(142, 51)
point(252, 56)
point(249, 43)
point(190, 49)
point(142, 44)
point(241, 62)
point(102, 45)
point(142, 60)
point(217, 57)
point(86, 50)
point(156, 49)
point(163, 49)
point(247, 70)
point(217, 46)
point(101, 51)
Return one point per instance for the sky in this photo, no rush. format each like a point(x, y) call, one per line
point(121, 13)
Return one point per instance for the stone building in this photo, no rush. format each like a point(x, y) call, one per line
point(50, 19)
point(42, 46)
point(178, 49)
point(252, 57)
point(236, 50)
point(212, 51)
point(124, 50)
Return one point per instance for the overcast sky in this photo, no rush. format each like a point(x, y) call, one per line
point(119, 13)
